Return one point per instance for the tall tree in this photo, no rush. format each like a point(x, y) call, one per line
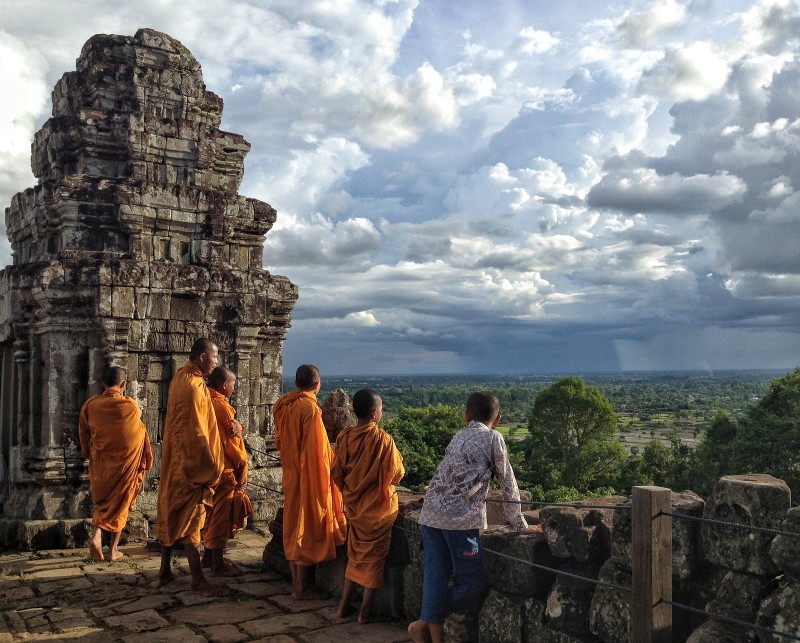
point(767, 436)
point(571, 439)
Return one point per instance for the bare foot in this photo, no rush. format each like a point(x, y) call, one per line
point(419, 632)
point(367, 619)
point(310, 594)
point(345, 611)
point(95, 552)
point(116, 555)
point(163, 579)
point(228, 571)
point(204, 588)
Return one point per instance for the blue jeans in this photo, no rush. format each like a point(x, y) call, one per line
point(446, 554)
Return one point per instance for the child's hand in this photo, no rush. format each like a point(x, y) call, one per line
point(533, 529)
point(235, 428)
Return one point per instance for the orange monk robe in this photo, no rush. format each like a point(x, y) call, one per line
point(366, 467)
point(191, 458)
point(313, 520)
point(231, 504)
point(116, 442)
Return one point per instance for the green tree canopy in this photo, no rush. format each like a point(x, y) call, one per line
point(571, 440)
point(422, 435)
point(767, 436)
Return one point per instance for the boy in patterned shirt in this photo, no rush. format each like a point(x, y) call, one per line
point(454, 512)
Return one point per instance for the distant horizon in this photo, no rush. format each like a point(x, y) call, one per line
point(710, 372)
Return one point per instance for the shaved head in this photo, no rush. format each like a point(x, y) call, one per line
point(202, 345)
point(114, 376)
point(219, 376)
point(306, 376)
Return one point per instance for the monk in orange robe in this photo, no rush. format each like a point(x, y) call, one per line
point(231, 504)
point(313, 522)
point(116, 442)
point(366, 467)
point(191, 464)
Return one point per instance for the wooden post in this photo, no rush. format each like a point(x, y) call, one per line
point(651, 554)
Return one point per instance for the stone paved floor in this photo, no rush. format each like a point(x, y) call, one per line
point(63, 596)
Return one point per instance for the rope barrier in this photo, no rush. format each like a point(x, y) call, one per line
point(255, 484)
point(569, 505)
point(260, 452)
point(723, 523)
point(593, 581)
point(730, 620)
point(558, 572)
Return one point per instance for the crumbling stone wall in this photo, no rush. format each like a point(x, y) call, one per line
point(133, 243)
point(732, 572)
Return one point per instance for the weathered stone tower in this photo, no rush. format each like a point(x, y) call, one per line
point(133, 244)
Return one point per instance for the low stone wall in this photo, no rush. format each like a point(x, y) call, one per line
point(752, 576)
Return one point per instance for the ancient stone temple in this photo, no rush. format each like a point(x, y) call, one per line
point(134, 243)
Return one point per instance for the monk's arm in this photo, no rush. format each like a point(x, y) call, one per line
point(317, 450)
point(397, 463)
point(337, 467)
point(147, 455)
point(84, 434)
point(200, 465)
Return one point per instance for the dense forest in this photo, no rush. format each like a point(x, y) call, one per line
point(645, 396)
point(680, 430)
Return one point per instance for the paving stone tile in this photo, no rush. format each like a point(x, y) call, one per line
point(284, 624)
point(61, 615)
point(190, 599)
point(224, 634)
point(82, 635)
point(54, 574)
point(103, 595)
point(152, 601)
point(175, 634)
point(287, 603)
point(372, 633)
point(28, 614)
point(15, 593)
point(16, 624)
point(262, 588)
point(281, 638)
point(138, 621)
point(64, 586)
point(224, 612)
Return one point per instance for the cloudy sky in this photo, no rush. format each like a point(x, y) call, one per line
point(498, 186)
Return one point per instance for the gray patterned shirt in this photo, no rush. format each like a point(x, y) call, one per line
point(456, 497)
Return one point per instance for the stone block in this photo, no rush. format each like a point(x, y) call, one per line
point(136, 529)
point(329, 575)
point(134, 274)
point(123, 304)
point(738, 596)
point(716, 632)
point(568, 604)
point(496, 506)
point(687, 555)
point(753, 500)
point(505, 557)
point(461, 628)
point(780, 611)
point(785, 549)
point(610, 610)
point(582, 534)
point(505, 618)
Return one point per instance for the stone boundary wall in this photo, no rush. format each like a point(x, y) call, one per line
point(734, 572)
